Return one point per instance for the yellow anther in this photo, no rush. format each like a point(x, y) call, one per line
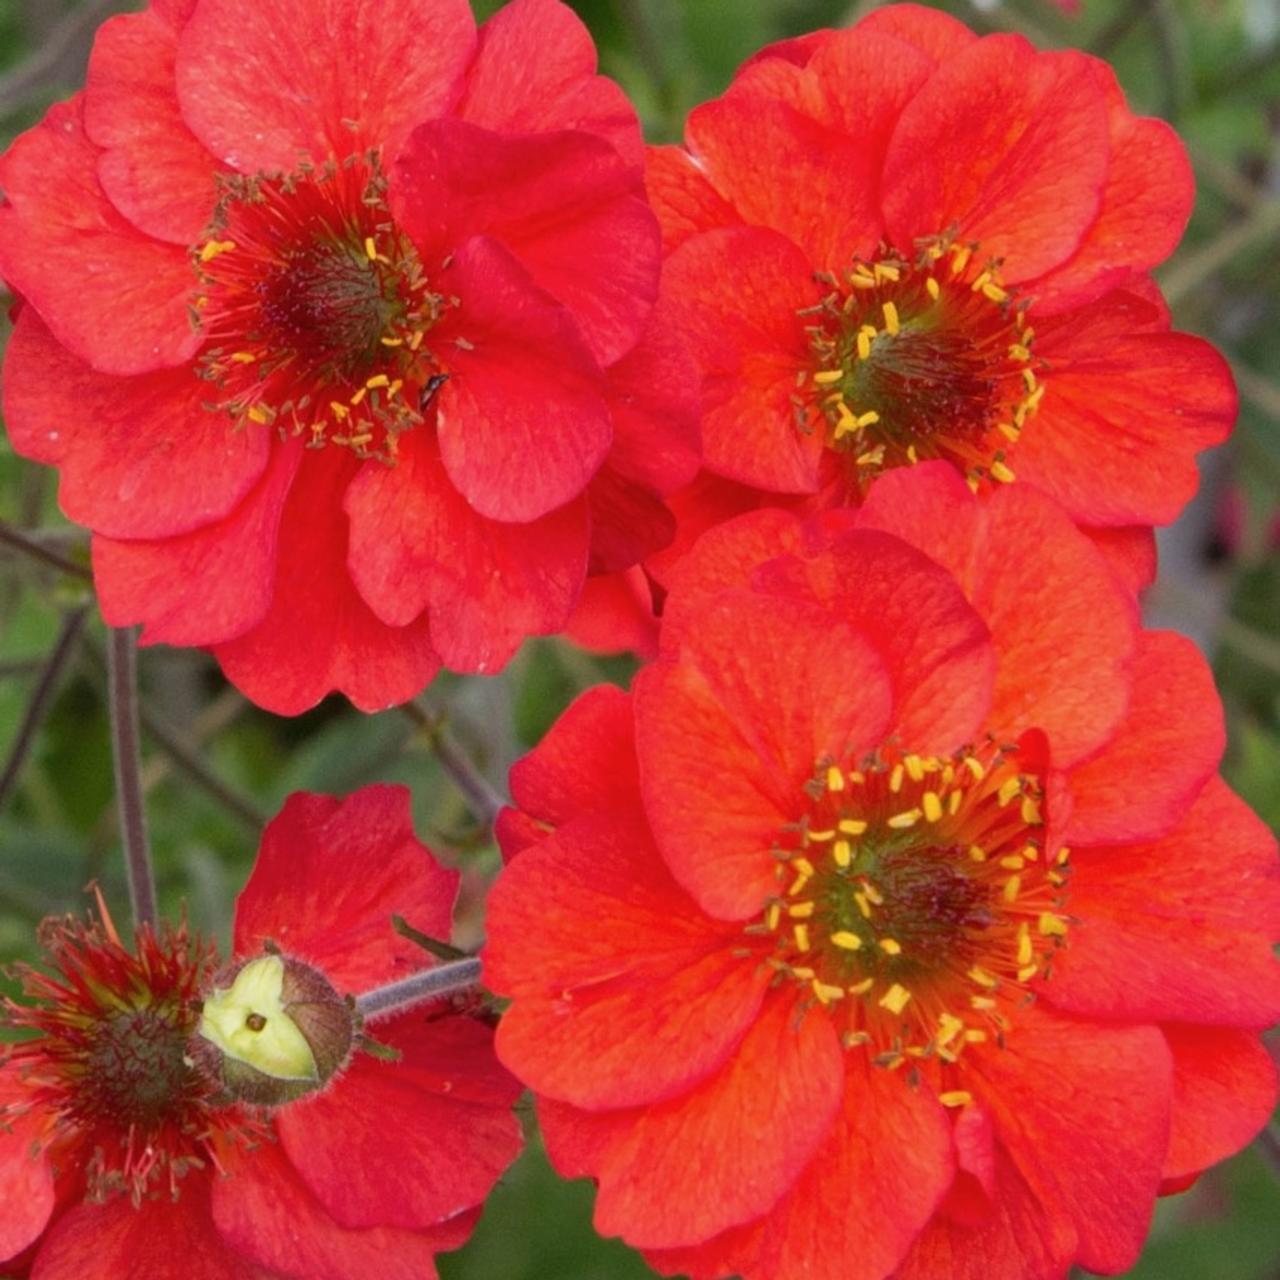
point(1018, 352)
point(370, 249)
point(1033, 400)
point(891, 946)
point(977, 853)
point(974, 1036)
point(801, 932)
point(827, 993)
point(835, 779)
point(243, 357)
point(954, 801)
point(212, 248)
point(912, 456)
point(886, 271)
point(257, 414)
point(1012, 887)
point(981, 282)
point(867, 419)
point(935, 289)
point(772, 916)
point(1013, 862)
point(873, 894)
point(949, 1026)
point(392, 342)
point(359, 442)
point(861, 988)
point(828, 377)
point(801, 910)
point(842, 852)
point(983, 978)
point(1009, 431)
point(890, 318)
point(1051, 926)
point(994, 293)
point(797, 886)
point(982, 1002)
point(803, 866)
point(846, 941)
point(895, 999)
point(915, 767)
point(394, 388)
point(852, 826)
point(861, 278)
point(340, 410)
point(1029, 380)
point(1030, 852)
point(872, 458)
point(864, 903)
point(908, 818)
point(932, 806)
point(1002, 473)
point(895, 778)
point(863, 343)
point(1025, 950)
point(1027, 972)
point(955, 1098)
point(414, 340)
point(1030, 811)
point(821, 837)
point(359, 395)
point(974, 765)
point(960, 256)
point(378, 380)
point(1009, 788)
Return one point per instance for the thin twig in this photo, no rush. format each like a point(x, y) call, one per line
point(122, 695)
point(482, 797)
point(1260, 223)
point(41, 697)
point(1257, 390)
point(430, 984)
point(199, 772)
point(17, 85)
point(29, 546)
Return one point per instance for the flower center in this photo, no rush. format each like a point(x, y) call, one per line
point(315, 307)
point(108, 1067)
point(918, 359)
point(917, 899)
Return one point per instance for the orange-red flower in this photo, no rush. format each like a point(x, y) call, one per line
point(118, 1158)
point(895, 925)
point(337, 326)
point(901, 242)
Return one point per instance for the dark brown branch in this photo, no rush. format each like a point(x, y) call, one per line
point(29, 546)
point(41, 697)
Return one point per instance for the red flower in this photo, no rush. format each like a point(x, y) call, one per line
point(896, 924)
point(333, 314)
point(901, 242)
point(118, 1159)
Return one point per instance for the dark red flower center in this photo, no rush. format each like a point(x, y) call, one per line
point(917, 899)
point(315, 307)
point(108, 1068)
point(917, 358)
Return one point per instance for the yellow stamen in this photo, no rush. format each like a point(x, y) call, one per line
point(846, 941)
point(891, 946)
point(890, 318)
point(932, 806)
point(895, 999)
point(955, 1098)
point(908, 818)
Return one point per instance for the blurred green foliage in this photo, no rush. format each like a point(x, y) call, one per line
point(1212, 67)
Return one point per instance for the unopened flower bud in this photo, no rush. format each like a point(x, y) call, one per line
point(272, 1030)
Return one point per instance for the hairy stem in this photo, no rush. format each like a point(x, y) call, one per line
point(430, 984)
point(122, 695)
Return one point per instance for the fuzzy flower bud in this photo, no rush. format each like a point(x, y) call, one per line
point(272, 1030)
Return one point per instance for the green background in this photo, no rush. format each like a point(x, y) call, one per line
point(215, 767)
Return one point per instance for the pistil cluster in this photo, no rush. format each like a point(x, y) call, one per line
point(918, 899)
point(316, 307)
point(927, 357)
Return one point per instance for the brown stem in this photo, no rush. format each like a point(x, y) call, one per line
point(122, 696)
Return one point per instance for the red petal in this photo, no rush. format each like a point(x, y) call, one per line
point(682, 1171)
point(318, 634)
point(1124, 415)
point(153, 170)
point(412, 1143)
point(1032, 578)
point(1146, 202)
point(266, 1212)
point(1178, 929)
point(416, 544)
point(864, 1197)
point(683, 197)
point(797, 50)
point(1023, 1240)
point(1007, 147)
point(267, 83)
point(628, 522)
point(1224, 1090)
point(534, 71)
point(636, 1010)
point(329, 877)
point(585, 761)
point(934, 33)
point(161, 1238)
point(935, 648)
point(26, 1176)
point(730, 729)
point(523, 422)
point(67, 250)
point(1131, 553)
point(139, 457)
point(734, 298)
point(203, 587)
point(564, 204)
point(1084, 1113)
point(1166, 747)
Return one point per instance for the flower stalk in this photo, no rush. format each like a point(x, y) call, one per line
point(430, 984)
